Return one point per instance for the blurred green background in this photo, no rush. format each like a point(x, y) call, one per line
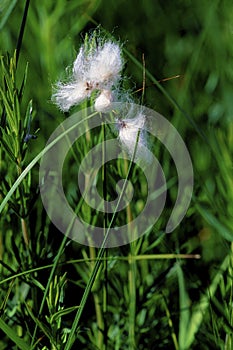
point(192, 39)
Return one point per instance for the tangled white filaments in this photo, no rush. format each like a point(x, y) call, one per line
point(98, 67)
point(133, 139)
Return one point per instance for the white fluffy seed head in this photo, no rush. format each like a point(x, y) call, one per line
point(80, 65)
point(67, 95)
point(106, 65)
point(96, 67)
point(103, 101)
point(128, 129)
point(131, 135)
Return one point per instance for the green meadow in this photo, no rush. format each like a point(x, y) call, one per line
point(161, 290)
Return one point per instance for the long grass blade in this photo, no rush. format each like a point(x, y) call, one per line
point(13, 336)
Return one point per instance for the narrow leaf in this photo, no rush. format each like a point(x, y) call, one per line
point(13, 336)
point(215, 223)
point(7, 13)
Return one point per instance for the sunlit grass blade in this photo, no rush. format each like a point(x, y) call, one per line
point(215, 223)
point(198, 314)
point(184, 309)
point(22, 345)
point(7, 12)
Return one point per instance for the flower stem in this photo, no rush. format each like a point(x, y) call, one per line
point(97, 302)
point(131, 276)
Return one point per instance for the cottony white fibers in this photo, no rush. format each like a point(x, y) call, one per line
point(95, 69)
point(103, 101)
point(106, 65)
point(128, 130)
point(70, 94)
point(131, 135)
point(80, 65)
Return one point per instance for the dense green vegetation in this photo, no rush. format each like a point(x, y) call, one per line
point(162, 291)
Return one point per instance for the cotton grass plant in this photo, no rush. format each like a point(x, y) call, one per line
point(153, 293)
point(97, 67)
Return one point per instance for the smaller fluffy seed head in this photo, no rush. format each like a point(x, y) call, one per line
point(128, 136)
point(70, 94)
point(128, 128)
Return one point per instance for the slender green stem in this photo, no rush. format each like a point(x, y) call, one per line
point(22, 29)
point(131, 276)
point(98, 304)
point(105, 263)
point(132, 296)
point(119, 258)
point(96, 267)
point(92, 251)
